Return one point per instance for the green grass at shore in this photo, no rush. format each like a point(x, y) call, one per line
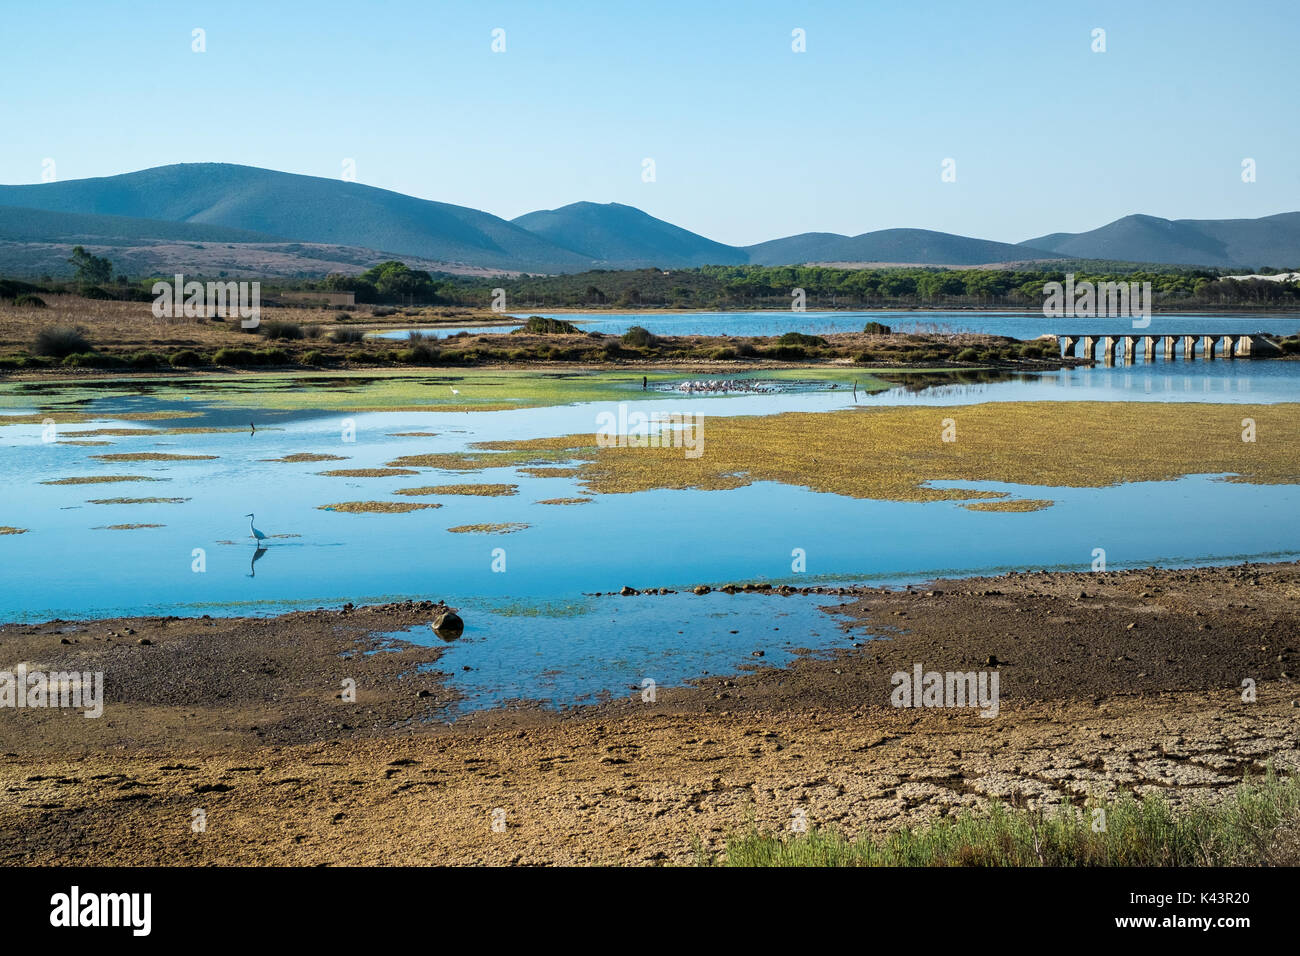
point(1257, 825)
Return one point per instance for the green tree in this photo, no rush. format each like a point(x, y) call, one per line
point(91, 269)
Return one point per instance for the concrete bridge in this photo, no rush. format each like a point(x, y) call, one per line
point(1211, 345)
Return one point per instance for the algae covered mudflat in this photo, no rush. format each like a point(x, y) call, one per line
point(894, 453)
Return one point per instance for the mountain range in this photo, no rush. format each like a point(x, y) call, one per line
point(206, 217)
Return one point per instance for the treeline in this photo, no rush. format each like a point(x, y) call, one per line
point(746, 287)
point(742, 287)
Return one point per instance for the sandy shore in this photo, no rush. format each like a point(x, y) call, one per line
point(1109, 682)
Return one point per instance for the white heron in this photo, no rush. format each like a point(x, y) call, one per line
point(454, 391)
point(253, 532)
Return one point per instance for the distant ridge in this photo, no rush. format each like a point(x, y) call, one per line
point(304, 208)
point(614, 233)
point(319, 224)
point(892, 245)
point(1270, 241)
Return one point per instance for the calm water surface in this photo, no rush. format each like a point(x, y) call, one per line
point(533, 630)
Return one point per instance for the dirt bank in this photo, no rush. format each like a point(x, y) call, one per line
point(239, 719)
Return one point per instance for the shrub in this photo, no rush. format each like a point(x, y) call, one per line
point(345, 336)
point(876, 328)
point(311, 331)
point(316, 357)
point(27, 300)
point(12, 288)
point(383, 313)
point(273, 357)
point(235, 357)
point(147, 360)
point(78, 359)
point(186, 358)
point(968, 355)
point(723, 354)
point(798, 338)
point(423, 354)
point(282, 330)
point(58, 341)
point(536, 325)
point(786, 353)
point(639, 337)
point(746, 350)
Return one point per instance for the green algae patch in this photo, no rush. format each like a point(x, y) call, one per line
point(487, 491)
point(390, 390)
point(890, 453)
point(86, 444)
point(377, 507)
point(509, 527)
point(126, 527)
point(151, 456)
point(99, 479)
point(1017, 504)
point(367, 472)
point(305, 456)
point(5, 529)
point(564, 501)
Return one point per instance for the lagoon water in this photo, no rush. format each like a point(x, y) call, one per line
point(1020, 325)
point(533, 630)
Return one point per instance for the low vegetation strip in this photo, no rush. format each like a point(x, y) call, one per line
point(1258, 824)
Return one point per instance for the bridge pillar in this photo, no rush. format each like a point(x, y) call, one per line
point(1245, 346)
point(1189, 347)
point(1108, 344)
point(1149, 348)
point(1210, 343)
point(1090, 347)
point(1171, 347)
point(1230, 346)
point(1067, 344)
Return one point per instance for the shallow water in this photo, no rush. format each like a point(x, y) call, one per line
point(70, 565)
point(617, 646)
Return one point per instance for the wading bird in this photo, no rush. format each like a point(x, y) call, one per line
point(253, 532)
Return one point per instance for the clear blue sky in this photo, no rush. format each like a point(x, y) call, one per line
point(751, 140)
